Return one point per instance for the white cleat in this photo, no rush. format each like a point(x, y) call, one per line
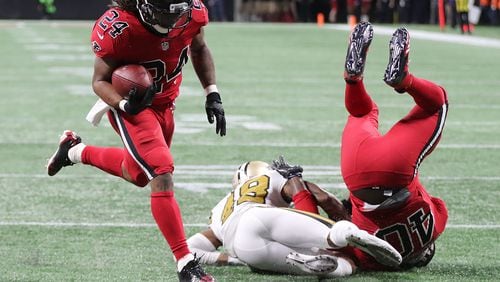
point(381, 250)
point(320, 265)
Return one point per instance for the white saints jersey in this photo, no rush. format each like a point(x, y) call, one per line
point(261, 190)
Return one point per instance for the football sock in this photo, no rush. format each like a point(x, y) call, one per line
point(183, 261)
point(75, 153)
point(428, 95)
point(108, 159)
point(167, 215)
point(357, 101)
point(305, 201)
point(339, 232)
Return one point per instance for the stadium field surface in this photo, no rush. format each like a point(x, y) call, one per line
point(282, 89)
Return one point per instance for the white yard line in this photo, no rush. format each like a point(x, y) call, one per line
point(209, 174)
point(281, 145)
point(432, 36)
point(152, 225)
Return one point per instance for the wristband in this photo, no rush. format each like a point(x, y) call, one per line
point(211, 88)
point(121, 105)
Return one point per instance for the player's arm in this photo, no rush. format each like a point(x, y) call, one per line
point(205, 244)
point(203, 64)
point(328, 202)
point(103, 69)
point(294, 188)
point(135, 103)
point(202, 60)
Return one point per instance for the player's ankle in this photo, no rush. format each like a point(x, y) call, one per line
point(75, 153)
point(339, 233)
point(183, 261)
point(404, 84)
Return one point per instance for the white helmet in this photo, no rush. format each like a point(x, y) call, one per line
point(248, 170)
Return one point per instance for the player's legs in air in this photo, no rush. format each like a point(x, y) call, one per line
point(362, 122)
point(418, 133)
point(145, 153)
point(404, 146)
point(145, 159)
point(266, 236)
point(376, 163)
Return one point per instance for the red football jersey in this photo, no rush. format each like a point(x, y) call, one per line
point(120, 35)
point(410, 228)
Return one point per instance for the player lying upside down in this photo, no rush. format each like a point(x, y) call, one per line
point(255, 227)
point(381, 171)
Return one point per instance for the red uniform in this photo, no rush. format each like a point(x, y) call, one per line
point(147, 136)
point(390, 161)
point(157, 35)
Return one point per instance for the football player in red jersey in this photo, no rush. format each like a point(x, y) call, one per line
point(160, 35)
point(381, 170)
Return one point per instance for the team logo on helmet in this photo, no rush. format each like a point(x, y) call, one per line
point(165, 15)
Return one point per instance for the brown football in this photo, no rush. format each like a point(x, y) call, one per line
point(126, 77)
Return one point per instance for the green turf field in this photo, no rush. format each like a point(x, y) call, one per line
point(282, 89)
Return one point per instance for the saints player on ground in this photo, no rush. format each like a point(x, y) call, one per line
point(256, 227)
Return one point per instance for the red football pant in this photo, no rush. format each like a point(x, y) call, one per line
point(147, 137)
point(369, 158)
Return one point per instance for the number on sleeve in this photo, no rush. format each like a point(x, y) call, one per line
point(117, 27)
point(254, 190)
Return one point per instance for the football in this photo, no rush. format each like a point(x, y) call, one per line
point(126, 77)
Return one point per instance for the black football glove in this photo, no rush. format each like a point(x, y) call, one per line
point(286, 170)
point(137, 102)
point(213, 107)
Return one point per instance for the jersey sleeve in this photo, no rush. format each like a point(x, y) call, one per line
point(110, 34)
point(200, 13)
point(277, 182)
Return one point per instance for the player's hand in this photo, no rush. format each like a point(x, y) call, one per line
point(286, 170)
point(136, 102)
point(213, 107)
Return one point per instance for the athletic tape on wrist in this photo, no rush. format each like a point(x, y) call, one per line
point(211, 88)
point(121, 105)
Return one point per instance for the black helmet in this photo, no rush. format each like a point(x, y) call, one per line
point(165, 15)
point(421, 259)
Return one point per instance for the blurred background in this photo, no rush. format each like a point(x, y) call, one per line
point(450, 12)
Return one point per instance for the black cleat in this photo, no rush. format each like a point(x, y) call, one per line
point(360, 40)
point(60, 158)
point(192, 272)
point(399, 50)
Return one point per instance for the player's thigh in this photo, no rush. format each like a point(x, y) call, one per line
point(168, 125)
point(356, 131)
point(143, 138)
point(285, 226)
point(417, 134)
point(252, 245)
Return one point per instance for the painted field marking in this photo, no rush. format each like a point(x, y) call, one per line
point(432, 36)
point(56, 224)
